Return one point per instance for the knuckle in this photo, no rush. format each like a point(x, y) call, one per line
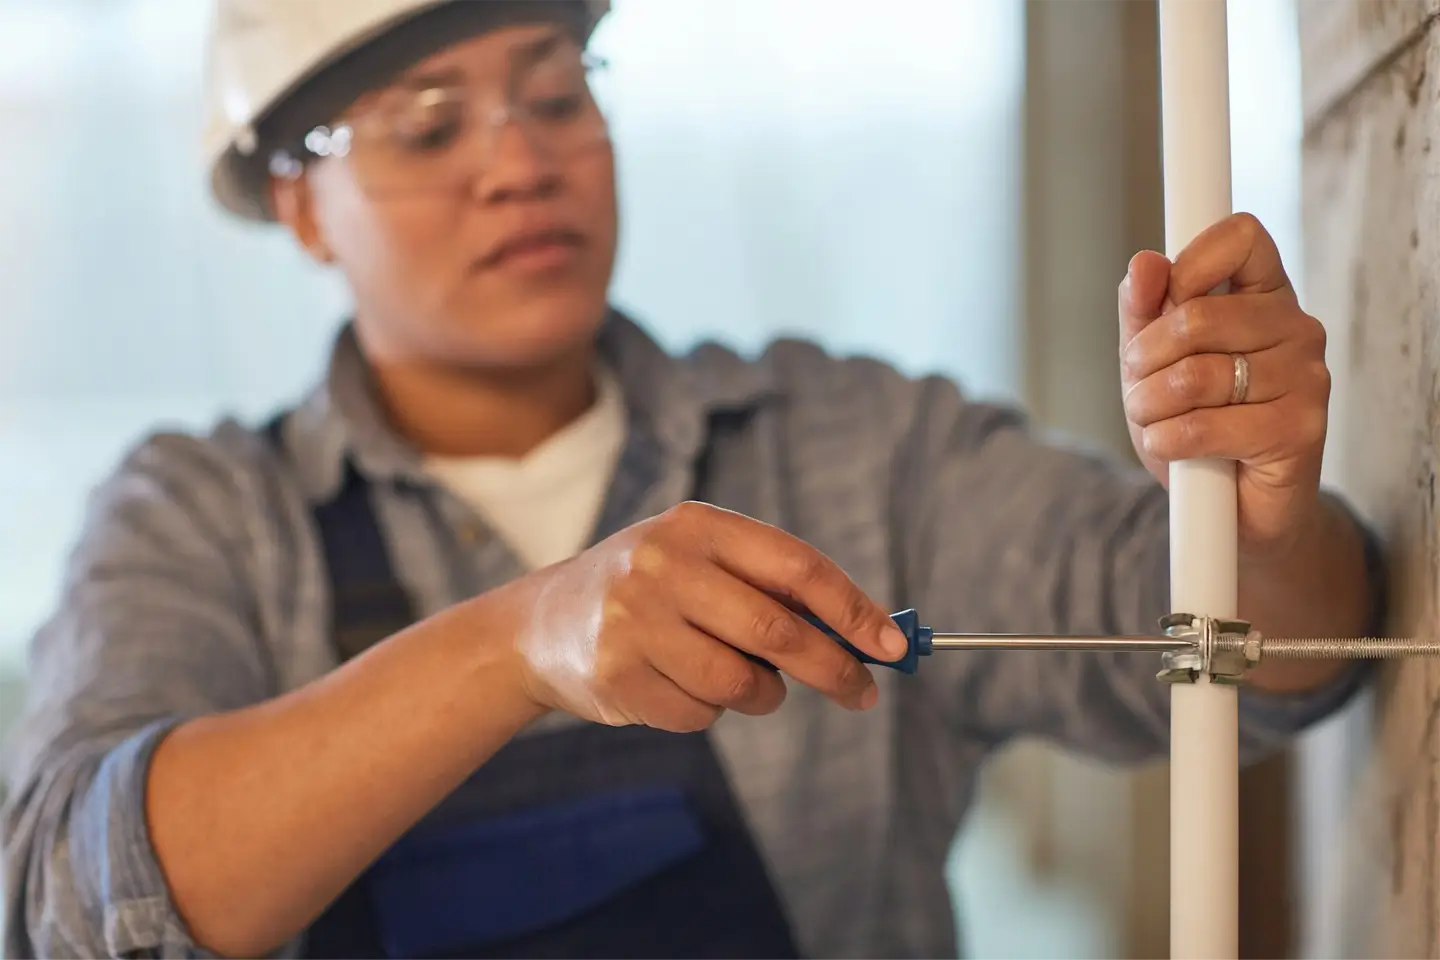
point(851, 676)
point(1187, 379)
point(1193, 432)
point(1132, 406)
point(858, 610)
point(1159, 442)
point(736, 684)
point(1137, 410)
point(1192, 323)
point(777, 631)
point(685, 515)
point(651, 557)
point(1248, 224)
point(805, 567)
point(690, 526)
point(1136, 360)
point(616, 615)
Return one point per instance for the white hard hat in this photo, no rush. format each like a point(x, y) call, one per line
point(262, 51)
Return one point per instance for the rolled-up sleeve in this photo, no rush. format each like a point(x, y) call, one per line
point(154, 628)
point(1007, 533)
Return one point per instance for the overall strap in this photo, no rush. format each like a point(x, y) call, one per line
point(368, 601)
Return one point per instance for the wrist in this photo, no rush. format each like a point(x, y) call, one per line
point(484, 631)
point(1309, 532)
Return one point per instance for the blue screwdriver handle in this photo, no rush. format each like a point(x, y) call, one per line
point(917, 635)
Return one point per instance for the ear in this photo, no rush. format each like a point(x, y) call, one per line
point(293, 202)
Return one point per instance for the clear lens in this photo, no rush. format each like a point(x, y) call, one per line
point(414, 141)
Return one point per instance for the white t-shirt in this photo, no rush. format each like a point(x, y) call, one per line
point(546, 504)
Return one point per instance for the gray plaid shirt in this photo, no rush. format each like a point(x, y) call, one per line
point(198, 586)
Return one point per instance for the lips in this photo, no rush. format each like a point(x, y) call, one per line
point(542, 245)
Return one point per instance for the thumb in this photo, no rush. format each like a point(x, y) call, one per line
point(1238, 250)
point(1142, 293)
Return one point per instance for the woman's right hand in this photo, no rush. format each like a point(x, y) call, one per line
point(647, 626)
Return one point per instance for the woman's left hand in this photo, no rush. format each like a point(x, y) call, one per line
point(1184, 356)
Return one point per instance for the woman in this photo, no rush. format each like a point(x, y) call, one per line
point(466, 655)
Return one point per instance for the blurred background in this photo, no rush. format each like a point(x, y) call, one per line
point(955, 185)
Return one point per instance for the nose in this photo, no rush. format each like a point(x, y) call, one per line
point(513, 166)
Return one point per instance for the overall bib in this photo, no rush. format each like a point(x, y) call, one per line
point(590, 841)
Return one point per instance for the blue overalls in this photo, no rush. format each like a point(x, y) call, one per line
point(590, 841)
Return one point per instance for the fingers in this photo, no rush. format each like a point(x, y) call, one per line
point(1233, 323)
point(1237, 252)
point(1184, 361)
point(656, 700)
point(1237, 249)
point(728, 578)
point(1206, 380)
point(1252, 433)
point(714, 672)
point(682, 598)
point(743, 617)
point(777, 563)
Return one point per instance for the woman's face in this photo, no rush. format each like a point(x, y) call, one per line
point(469, 243)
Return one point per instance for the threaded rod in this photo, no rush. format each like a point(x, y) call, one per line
point(1335, 648)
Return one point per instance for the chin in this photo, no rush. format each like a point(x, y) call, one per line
point(536, 333)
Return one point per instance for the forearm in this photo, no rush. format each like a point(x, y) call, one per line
point(261, 817)
point(1319, 587)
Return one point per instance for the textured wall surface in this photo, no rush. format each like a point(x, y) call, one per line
point(1372, 195)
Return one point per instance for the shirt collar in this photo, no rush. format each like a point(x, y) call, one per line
point(669, 398)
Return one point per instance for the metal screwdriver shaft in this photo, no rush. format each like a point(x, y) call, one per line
point(1007, 641)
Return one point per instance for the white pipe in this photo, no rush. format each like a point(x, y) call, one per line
point(1204, 760)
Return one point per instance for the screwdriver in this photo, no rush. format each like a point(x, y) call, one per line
point(922, 641)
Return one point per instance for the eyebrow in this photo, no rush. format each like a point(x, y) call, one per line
point(431, 78)
point(530, 53)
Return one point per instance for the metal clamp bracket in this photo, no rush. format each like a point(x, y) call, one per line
point(1223, 649)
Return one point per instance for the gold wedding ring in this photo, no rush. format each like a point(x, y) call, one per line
point(1242, 379)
